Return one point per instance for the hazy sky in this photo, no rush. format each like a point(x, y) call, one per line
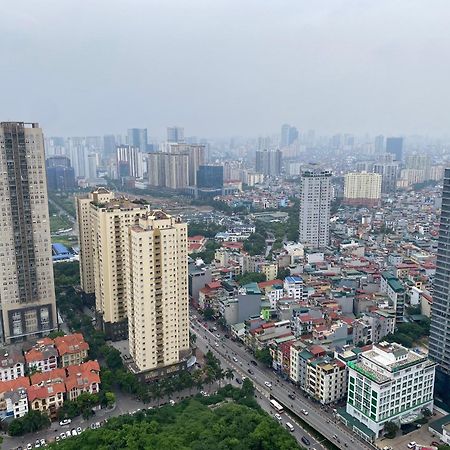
point(227, 67)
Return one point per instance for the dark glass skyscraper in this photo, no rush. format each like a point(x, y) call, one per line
point(394, 145)
point(210, 177)
point(439, 347)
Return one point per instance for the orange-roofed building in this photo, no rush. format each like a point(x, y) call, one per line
point(53, 376)
point(46, 397)
point(72, 349)
point(43, 356)
point(13, 398)
point(83, 378)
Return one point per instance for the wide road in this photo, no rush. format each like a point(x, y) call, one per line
point(316, 418)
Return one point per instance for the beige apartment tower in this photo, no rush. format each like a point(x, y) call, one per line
point(362, 189)
point(27, 294)
point(103, 222)
point(157, 294)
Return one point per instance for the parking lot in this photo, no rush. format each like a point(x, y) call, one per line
point(421, 436)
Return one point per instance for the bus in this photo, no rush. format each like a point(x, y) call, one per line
point(275, 405)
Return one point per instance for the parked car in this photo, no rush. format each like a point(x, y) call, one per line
point(65, 422)
point(291, 396)
point(253, 362)
point(305, 440)
point(238, 381)
point(268, 384)
point(250, 371)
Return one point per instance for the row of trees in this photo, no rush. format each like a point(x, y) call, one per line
point(31, 422)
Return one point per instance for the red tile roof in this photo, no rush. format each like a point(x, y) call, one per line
point(41, 392)
point(12, 385)
point(52, 375)
point(265, 284)
point(71, 344)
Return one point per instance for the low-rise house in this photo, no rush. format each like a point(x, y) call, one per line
point(12, 364)
point(72, 349)
point(43, 356)
point(46, 397)
point(13, 398)
point(83, 378)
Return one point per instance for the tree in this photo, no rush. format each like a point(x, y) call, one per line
point(229, 374)
point(390, 429)
point(208, 313)
point(250, 277)
point(31, 422)
point(264, 356)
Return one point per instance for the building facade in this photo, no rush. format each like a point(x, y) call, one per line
point(157, 293)
point(440, 309)
point(315, 205)
point(362, 189)
point(27, 291)
point(103, 223)
point(389, 383)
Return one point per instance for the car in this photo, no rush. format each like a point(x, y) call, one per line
point(268, 384)
point(253, 362)
point(291, 396)
point(97, 424)
point(68, 433)
point(92, 426)
point(412, 444)
point(172, 402)
point(37, 444)
point(63, 435)
point(235, 359)
point(79, 430)
point(278, 417)
point(57, 438)
point(305, 440)
point(216, 344)
point(74, 432)
point(43, 443)
point(65, 422)
point(238, 381)
point(29, 446)
point(250, 371)
point(244, 378)
point(305, 412)
point(218, 336)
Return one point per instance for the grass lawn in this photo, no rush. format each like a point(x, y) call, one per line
point(59, 223)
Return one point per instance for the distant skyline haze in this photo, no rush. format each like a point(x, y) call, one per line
point(227, 67)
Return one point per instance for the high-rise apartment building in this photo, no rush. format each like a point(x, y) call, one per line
point(362, 189)
point(128, 161)
point(269, 162)
point(315, 205)
point(168, 170)
point(60, 173)
point(157, 293)
point(439, 347)
point(103, 223)
point(137, 137)
point(394, 145)
point(390, 174)
point(379, 144)
point(288, 135)
point(27, 294)
point(175, 134)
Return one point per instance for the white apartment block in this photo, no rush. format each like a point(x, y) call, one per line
point(157, 293)
point(27, 291)
point(315, 203)
point(295, 288)
point(389, 383)
point(16, 402)
point(103, 221)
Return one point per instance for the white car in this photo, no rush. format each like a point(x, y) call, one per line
point(412, 444)
point(235, 359)
point(65, 422)
point(216, 344)
point(305, 412)
point(79, 430)
point(268, 384)
point(278, 417)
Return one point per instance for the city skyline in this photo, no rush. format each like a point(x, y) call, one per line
point(271, 65)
